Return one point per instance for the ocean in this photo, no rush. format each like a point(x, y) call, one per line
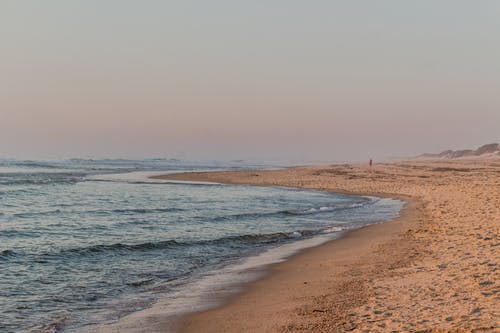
point(86, 242)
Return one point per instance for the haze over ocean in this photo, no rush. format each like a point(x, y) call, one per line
point(285, 80)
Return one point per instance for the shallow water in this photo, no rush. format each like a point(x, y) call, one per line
point(77, 236)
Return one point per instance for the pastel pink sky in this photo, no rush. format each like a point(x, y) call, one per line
point(284, 80)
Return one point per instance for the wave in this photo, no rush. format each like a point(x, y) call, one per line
point(132, 211)
point(32, 164)
point(7, 253)
point(334, 229)
point(335, 208)
point(143, 210)
point(249, 239)
point(19, 233)
point(41, 178)
point(120, 248)
point(34, 214)
point(231, 217)
point(44, 181)
point(285, 213)
point(140, 283)
point(126, 211)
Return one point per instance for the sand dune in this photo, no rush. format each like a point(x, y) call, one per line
point(491, 150)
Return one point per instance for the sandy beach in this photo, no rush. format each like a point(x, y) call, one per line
point(434, 269)
point(249, 166)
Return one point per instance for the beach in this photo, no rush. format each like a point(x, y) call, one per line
point(433, 269)
point(250, 166)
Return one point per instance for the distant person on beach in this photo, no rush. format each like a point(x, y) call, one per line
point(371, 162)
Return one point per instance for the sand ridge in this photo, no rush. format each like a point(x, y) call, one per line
point(435, 270)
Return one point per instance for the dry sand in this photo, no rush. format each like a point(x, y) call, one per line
point(435, 269)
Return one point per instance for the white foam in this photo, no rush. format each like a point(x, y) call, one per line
point(146, 177)
point(333, 229)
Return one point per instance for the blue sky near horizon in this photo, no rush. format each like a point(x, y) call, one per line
point(298, 80)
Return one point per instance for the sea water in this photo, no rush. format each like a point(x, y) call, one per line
point(84, 242)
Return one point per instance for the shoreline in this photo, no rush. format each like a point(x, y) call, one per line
point(275, 279)
point(271, 275)
point(429, 270)
point(232, 281)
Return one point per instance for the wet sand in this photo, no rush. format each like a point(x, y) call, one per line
point(434, 269)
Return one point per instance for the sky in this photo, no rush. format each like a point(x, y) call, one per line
point(317, 80)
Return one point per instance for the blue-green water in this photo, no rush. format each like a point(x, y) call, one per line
point(77, 236)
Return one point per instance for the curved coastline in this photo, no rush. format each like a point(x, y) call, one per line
point(229, 283)
point(433, 269)
point(239, 311)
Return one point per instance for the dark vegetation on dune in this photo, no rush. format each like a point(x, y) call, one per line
point(492, 149)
